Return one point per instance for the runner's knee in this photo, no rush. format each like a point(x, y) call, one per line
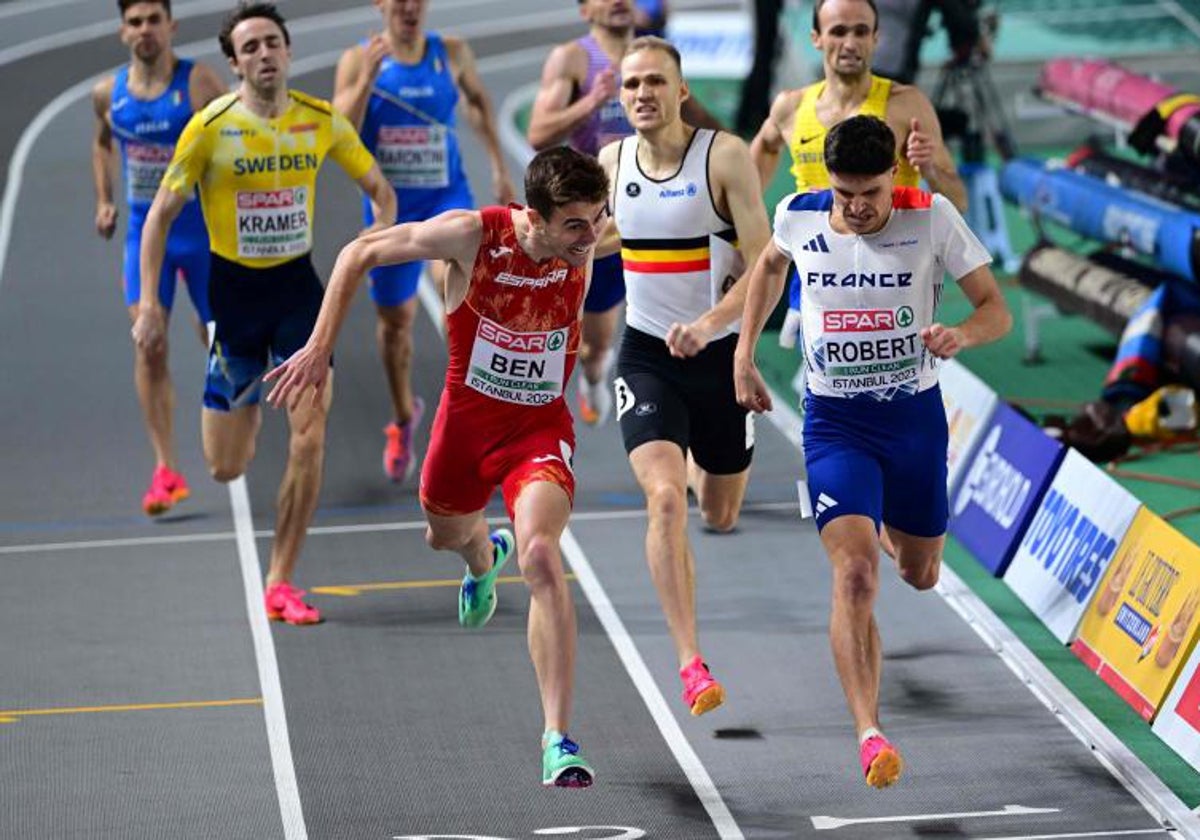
point(226, 469)
point(447, 540)
point(856, 581)
point(395, 320)
point(920, 576)
point(721, 519)
point(541, 564)
point(308, 447)
point(153, 360)
point(666, 502)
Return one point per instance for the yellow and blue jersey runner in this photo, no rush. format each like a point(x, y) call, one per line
point(257, 176)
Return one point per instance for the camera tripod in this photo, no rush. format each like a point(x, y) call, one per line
point(969, 106)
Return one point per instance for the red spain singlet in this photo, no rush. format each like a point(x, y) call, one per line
point(513, 341)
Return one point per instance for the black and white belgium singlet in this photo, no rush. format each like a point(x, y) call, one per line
point(680, 255)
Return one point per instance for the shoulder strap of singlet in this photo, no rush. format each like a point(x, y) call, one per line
point(877, 97)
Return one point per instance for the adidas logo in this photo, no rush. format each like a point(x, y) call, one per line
point(824, 503)
point(817, 244)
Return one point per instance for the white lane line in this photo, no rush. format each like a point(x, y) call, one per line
point(643, 681)
point(331, 530)
point(24, 7)
point(362, 15)
point(128, 542)
point(830, 823)
point(91, 31)
point(1129, 833)
point(635, 666)
point(1158, 800)
point(1189, 21)
point(286, 786)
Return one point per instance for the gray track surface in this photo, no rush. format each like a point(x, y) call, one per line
point(400, 722)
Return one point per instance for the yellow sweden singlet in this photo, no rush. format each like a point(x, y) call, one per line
point(257, 177)
point(808, 137)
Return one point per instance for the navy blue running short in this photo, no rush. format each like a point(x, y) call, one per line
point(882, 460)
point(263, 316)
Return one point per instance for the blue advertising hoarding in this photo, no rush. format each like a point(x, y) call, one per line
point(1004, 482)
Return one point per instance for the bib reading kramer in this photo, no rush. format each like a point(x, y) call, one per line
point(257, 176)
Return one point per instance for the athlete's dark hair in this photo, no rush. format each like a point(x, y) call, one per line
point(817, 11)
point(860, 145)
point(559, 176)
point(653, 42)
point(246, 11)
point(123, 5)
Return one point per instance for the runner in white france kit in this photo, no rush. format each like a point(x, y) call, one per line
point(870, 259)
point(866, 298)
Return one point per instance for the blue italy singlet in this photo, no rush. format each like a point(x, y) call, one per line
point(410, 127)
point(146, 132)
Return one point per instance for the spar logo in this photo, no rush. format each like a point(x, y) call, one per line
point(404, 135)
point(272, 199)
point(999, 488)
point(521, 342)
point(867, 320)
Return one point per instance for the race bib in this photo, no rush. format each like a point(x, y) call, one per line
point(521, 368)
point(866, 365)
point(413, 155)
point(145, 165)
point(613, 124)
point(273, 223)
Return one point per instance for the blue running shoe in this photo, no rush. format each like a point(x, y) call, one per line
point(477, 596)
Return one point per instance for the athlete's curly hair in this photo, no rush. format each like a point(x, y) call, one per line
point(246, 11)
point(560, 176)
point(860, 145)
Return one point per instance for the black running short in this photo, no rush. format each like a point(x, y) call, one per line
point(690, 402)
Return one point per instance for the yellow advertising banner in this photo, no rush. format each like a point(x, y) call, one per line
point(1140, 627)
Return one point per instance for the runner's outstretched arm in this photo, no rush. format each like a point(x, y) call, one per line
point(763, 288)
point(554, 115)
point(104, 159)
point(453, 236)
point(770, 140)
point(383, 198)
point(355, 76)
point(482, 116)
point(151, 325)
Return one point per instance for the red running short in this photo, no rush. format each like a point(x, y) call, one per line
point(478, 443)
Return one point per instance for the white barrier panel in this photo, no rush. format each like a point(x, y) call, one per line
point(969, 404)
point(715, 45)
point(1068, 545)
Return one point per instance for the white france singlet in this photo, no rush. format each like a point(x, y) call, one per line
point(680, 256)
point(865, 299)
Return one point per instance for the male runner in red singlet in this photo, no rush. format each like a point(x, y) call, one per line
point(514, 296)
